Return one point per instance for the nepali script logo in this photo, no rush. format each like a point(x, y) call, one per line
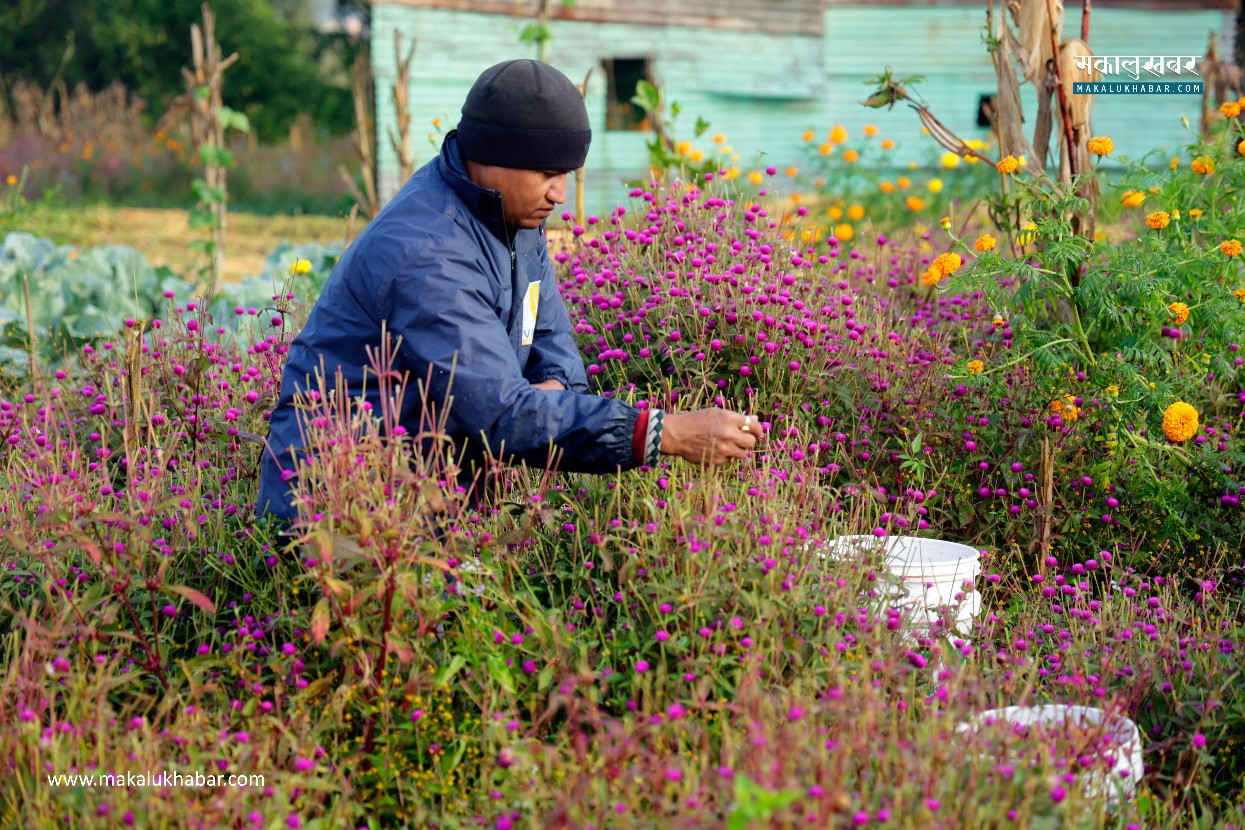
point(1158, 68)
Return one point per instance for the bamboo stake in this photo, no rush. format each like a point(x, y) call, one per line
point(402, 111)
point(30, 329)
point(1063, 99)
point(579, 174)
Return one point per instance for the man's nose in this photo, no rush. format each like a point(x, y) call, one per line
point(557, 189)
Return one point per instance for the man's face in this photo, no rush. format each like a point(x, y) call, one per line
point(527, 196)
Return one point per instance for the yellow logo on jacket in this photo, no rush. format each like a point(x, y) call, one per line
point(529, 312)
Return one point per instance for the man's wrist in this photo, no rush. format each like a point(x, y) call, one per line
point(646, 441)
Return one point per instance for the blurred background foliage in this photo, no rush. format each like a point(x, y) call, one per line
point(287, 64)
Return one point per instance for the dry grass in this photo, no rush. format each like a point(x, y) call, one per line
point(164, 236)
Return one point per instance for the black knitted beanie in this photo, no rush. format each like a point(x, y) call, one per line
point(525, 114)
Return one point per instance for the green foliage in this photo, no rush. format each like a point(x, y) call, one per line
point(145, 43)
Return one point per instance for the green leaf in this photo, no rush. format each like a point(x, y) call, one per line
point(220, 156)
point(231, 119)
point(498, 670)
point(455, 666)
point(646, 97)
point(702, 126)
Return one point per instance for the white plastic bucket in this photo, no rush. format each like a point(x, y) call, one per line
point(1122, 740)
point(932, 573)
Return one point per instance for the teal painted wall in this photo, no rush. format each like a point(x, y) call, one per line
point(763, 91)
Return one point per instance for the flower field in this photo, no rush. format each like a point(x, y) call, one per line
point(672, 647)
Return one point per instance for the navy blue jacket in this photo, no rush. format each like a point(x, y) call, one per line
point(440, 267)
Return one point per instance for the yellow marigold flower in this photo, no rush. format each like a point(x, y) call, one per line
point(793, 171)
point(1174, 163)
point(835, 212)
point(1230, 109)
point(887, 187)
point(1027, 235)
point(1203, 165)
point(998, 322)
point(904, 182)
point(683, 148)
point(697, 155)
point(1101, 145)
point(1007, 164)
point(1240, 148)
point(1180, 422)
point(11, 180)
point(1158, 220)
point(946, 263)
point(844, 232)
point(945, 222)
point(808, 135)
point(914, 202)
point(850, 155)
point(1230, 247)
point(300, 266)
point(1113, 390)
point(888, 144)
point(976, 367)
point(1239, 294)
point(1180, 311)
point(950, 160)
point(756, 177)
point(1132, 198)
point(1194, 213)
point(1175, 216)
point(825, 148)
point(870, 130)
point(984, 243)
point(856, 213)
point(839, 134)
point(720, 138)
point(934, 185)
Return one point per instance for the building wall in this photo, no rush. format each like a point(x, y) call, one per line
point(763, 90)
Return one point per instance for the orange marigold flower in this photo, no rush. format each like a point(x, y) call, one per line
point(844, 232)
point(887, 187)
point(870, 130)
point(1194, 213)
point(1230, 109)
point(1240, 148)
point(1007, 164)
point(1180, 422)
point(856, 212)
point(998, 321)
point(1101, 145)
point(904, 182)
point(793, 171)
point(1203, 165)
point(976, 367)
point(985, 242)
point(1180, 311)
point(914, 202)
point(850, 155)
point(839, 134)
point(888, 144)
point(808, 135)
point(1158, 220)
point(1230, 247)
point(825, 148)
point(1239, 294)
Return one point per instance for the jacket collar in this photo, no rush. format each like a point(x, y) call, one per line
point(485, 204)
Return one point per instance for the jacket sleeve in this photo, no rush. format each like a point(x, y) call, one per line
point(554, 354)
point(438, 300)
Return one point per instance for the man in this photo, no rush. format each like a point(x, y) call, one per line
point(457, 266)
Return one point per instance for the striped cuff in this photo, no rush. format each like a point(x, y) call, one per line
point(652, 439)
point(637, 437)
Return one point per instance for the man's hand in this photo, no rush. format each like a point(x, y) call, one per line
point(709, 437)
point(550, 386)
